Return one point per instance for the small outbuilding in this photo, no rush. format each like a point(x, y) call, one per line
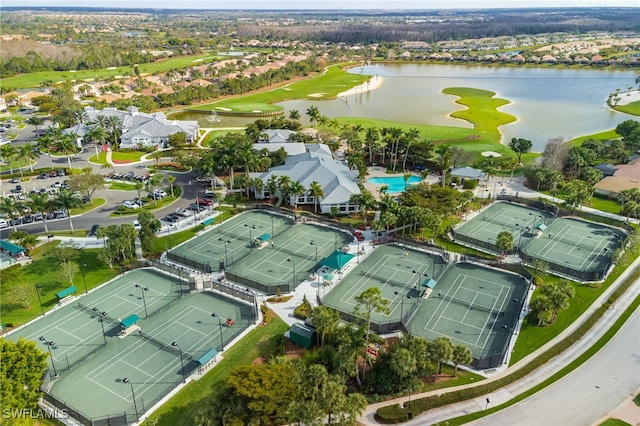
point(302, 335)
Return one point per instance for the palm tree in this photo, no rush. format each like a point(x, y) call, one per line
point(445, 160)
point(171, 179)
point(461, 355)
point(97, 134)
point(28, 153)
point(40, 202)
point(67, 145)
point(284, 185)
point(294, 115)
point(370, 138)
point(272, 186)
point(64, 200)
point(504, 242)
point(8, 153)
point(34, 121)
point(403, 363)
point(297, 189)
point(10, 207)
point(314, 113)
point(115, 127)
point(316, 191)
point(411, 136)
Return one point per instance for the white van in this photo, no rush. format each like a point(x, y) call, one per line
point(3, 223)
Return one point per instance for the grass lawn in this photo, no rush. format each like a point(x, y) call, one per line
point(614, 422)
point(95, 202)
point(597, 202)
point(101, 158)
point(45, 270)
point(123, 157)
point(151, 205)
point(182, 408)
point(122, 186)
point(35, 78)
point(482, 109)
point(633, 108)
point(602, 136)
point(323, 86)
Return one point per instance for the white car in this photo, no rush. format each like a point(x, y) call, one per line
point(159, 194)
point(136, 225)
point(183, 212)
point(131, 205)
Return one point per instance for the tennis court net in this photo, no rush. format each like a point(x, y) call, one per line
point(469, 304)
point(97, 312)
point(164, 346)
point(293, 252)
point(384, 279)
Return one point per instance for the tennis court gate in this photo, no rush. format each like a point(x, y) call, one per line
point(235, 291)
point(268, 289)
point(198, 266)
point(578, 274)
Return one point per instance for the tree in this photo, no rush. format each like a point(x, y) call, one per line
point(316, 191)
point(294, 114)
point(28, 154)
point(297, 189)
point(541, 305)
point(341, 408)
point(461, 355)
point(8, 153)
point(440, 350)
point(445, 158)
point(504, 242)
point(520, 146)
point(66, 144)
point(555, 154)
point(10, 207)
point(171, 179)
point(313, 113)
point(68, 270)
point(86, 183)
point(149, 225)
point(558, 295)
point(21, 371)
point(325, 320)
point(403, 363)
point(66, 201)
point(24, 239)
point(368, 302)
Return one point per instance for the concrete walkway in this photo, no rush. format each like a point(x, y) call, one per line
point(503, 395)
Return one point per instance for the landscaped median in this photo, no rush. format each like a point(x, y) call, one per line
point(150, 204)
point(396, 414)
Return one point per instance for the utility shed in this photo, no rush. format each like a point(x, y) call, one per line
point(302, 335)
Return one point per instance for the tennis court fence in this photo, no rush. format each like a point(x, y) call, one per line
point(170, 269)
point(564, 270)
point(194, 264)
point(468, 240)
point(266, 288)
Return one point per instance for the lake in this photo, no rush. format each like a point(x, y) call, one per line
point(548, 102)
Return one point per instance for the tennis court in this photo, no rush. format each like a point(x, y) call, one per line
point(472, 305)
point(521, 221)
point(398, 272)
point(91, 372)
point(287, 259)
point(577, 248)
point(229, 242)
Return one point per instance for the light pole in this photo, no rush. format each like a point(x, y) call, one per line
point(272, 232)
point(294, 272)
point(100, 315)
point(169, 235)
point(84, 265)
point(419, 276)
point(219, 325)
point(335, 241)
point(358, 250)
point(133, 395)
point(144, 301)
point(175, 345)
point(250, 236)
point(226, 259)
point(401, 304)
point(38, 287)
point(48, 344)
point(316, 269)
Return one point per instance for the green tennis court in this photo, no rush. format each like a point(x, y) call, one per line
point(229, 242)
point(91, 372)
point(472, 305)
point(576, 248)
point(298, 251)
point(398, 272)
point(521, 221)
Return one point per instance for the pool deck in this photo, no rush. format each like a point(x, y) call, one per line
point(378, 171)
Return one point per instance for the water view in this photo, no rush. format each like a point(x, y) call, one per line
point(549, 102)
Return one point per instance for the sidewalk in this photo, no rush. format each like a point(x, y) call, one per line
point(503, 395)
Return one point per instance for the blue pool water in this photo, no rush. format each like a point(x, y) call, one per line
point(395, 183)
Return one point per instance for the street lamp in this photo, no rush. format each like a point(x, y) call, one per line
point(295, 281)
point(144, 301)
point(214, 315)
point(175, 345)
point(401, 304)
point(38, 287)
point(316, 269)
point(272, 233)
point(100, 315)
point(133, 395)
point(424, 274)
point(250, 237)
point(169, 226)
point(48, 344)
point(226, 259)
point(84, 265)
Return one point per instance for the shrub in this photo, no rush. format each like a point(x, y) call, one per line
point(304, 310)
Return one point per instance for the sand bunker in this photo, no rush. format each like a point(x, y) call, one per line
point(197, 60)
point(257, 110)
point(316, 95)
point(223, 108)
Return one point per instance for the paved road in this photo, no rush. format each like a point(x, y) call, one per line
point(589, 393)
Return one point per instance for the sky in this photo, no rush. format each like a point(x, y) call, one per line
point(325, 4)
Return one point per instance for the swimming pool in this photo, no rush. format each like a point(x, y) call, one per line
point(395, 183)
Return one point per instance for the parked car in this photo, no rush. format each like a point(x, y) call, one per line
point(171, 218)
point(204, 201)
point(210, 194)
point(37, 216)
point(197, 207)
point(60, 214)
point(136, 225)
point(183, 212)
point(27, 219)
point(94, 231)
point(160, 193)
point(131, 205)
point(3, 223)
point(15, 180)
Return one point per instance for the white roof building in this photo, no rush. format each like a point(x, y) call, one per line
point(316, 164)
